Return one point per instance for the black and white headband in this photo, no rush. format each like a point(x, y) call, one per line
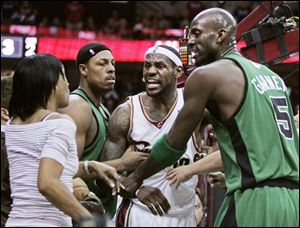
point(166, 51)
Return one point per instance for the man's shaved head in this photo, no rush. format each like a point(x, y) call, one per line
point(212, 33)
point(218, 18)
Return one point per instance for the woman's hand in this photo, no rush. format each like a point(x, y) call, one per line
point(179, 175)
point(106, 173)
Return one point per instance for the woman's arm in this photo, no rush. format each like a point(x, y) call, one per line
point(50, 185)
point(99, 170)
point(210, 163)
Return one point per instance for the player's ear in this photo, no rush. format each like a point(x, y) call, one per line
point(83, 70)
point(178, 71)
point(222, 33)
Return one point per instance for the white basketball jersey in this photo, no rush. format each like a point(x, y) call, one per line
point(143, 133)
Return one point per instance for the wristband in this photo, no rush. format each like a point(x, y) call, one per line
point(86, 167)
point(164, 154)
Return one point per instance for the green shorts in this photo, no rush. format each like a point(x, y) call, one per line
point(260, 207)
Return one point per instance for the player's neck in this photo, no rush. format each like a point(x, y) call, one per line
point(166, 100)
point(231, 48)
point(96, 98)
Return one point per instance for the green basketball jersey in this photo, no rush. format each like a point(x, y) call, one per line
point(93, 150)
point(260, 142)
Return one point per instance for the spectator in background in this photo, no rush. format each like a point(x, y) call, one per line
point(7, 10)
point(184, 22)
point(123, 30)
point(129, 89)
point(44, 22)
point(112, 24)
point(6, 86)
point(111, 100)
point(90, 24)
point(56, 22)
point(227, 5)
point(110, 27)
point(6, 90)
point(194, 7)
point(110, 103)
point(242, 10)
point(75, 11)
point(142, 27)
point(179, 11)
point(25, 15)
point(7, 72)
point(162, 22)
point(5, 188)
point(53, 23)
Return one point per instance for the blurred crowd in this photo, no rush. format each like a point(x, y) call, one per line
point(148, 20)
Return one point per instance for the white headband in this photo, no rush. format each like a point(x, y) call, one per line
point(166, 52)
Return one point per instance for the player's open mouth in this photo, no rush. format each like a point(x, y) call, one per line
point(152, 83)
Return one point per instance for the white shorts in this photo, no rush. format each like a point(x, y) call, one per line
point(135, 216)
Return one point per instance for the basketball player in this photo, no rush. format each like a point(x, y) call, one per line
point(252, 118)
point(139, 122)
point(96, 65)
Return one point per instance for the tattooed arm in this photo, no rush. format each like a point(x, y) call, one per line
point(116, 142)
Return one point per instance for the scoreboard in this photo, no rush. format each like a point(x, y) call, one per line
point(17, 47)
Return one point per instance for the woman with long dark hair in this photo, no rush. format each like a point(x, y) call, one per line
point(41, 148)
